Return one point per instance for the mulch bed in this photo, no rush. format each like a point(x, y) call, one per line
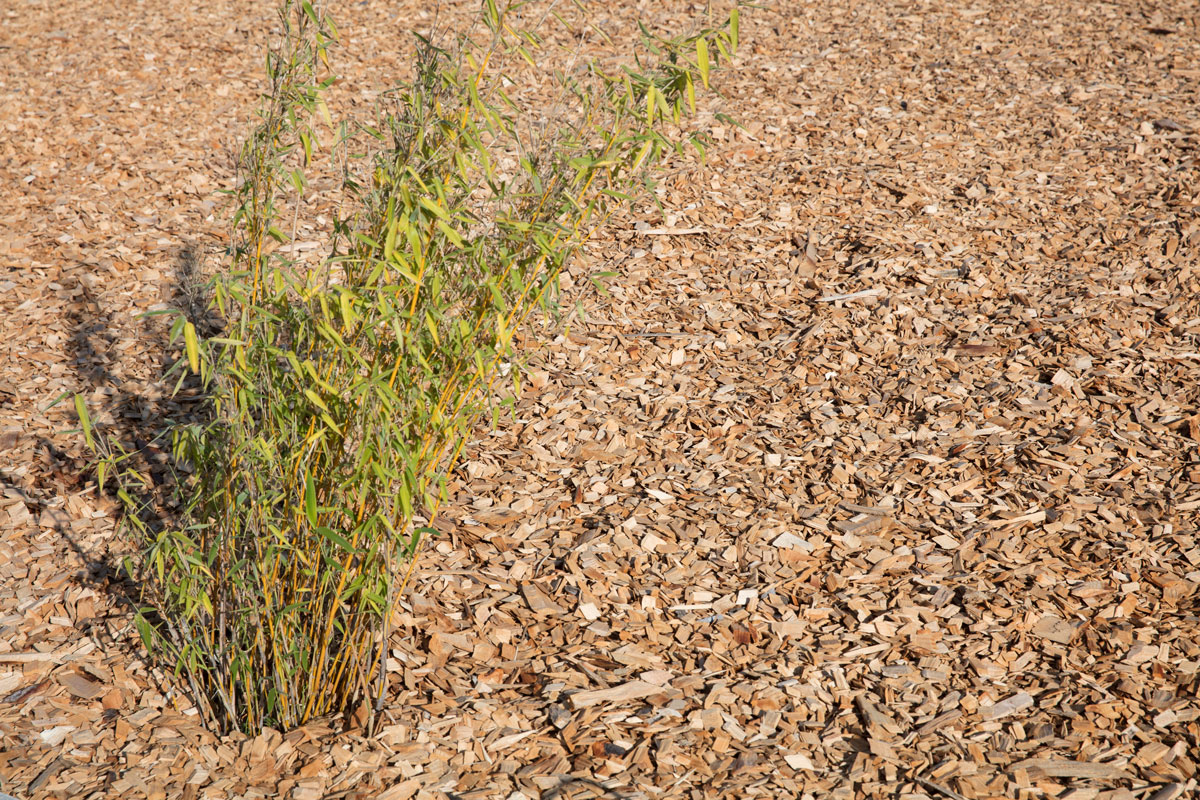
point(876, 473)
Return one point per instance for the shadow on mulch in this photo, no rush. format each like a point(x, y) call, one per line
point(140, 423)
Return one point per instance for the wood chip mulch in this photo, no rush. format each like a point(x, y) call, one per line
point(876, 472)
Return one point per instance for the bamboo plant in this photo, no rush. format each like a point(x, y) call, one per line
point(339, 395)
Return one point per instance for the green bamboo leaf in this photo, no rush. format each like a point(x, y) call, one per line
point(406, 499)
point(310, 500)
point(176, 328)
point(504, 333)
point(431, 325)
point(433, 208)
point(337, 539)
point(641, 156)
point(85, 421)
point(414, 540)
point(310, 13)
point(702, 59)
point(324, 109)
point(316, 400)
point(662, 104)
point(192, 345)
point(144, 630)
point(450, 233)
point(367, 240)
point(389, 242)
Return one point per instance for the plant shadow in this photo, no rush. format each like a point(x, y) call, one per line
point(134, 415)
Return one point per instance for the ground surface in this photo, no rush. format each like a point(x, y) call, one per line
point(876, 475)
